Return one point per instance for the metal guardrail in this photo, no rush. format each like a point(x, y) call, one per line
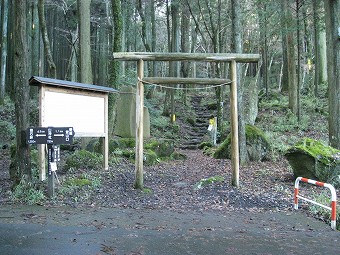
point(321, 184)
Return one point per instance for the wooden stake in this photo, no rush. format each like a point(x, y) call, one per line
point(139, 126)
point(106, 138)
point(234, 126)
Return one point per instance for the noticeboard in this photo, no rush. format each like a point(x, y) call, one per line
point(84, 107)
point(85, 112)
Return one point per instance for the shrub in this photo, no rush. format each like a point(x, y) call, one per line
point(83, 159)
point(28, 192)
point(7, 132)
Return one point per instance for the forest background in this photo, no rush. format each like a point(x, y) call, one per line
point(75, 40)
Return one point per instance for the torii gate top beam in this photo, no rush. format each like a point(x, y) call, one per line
point(204, 57)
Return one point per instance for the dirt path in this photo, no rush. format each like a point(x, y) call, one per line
point(64, 230)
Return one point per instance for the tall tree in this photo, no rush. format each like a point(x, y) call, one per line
point(319, 46)
point(262, 10)
point(332, 8)
point(185, 45)
point(292, 84)
point(298, 80)
point(173, 68)
point(84, 20)
point(145, 40)
point(283, 24)
point(115, 65)
point(52, 69)
point(4, 21)
point(237, 47)
point(21, 51)
point(35, 38)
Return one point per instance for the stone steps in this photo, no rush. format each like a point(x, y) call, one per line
point(194, 134)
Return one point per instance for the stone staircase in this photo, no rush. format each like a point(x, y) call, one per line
point(193, 134)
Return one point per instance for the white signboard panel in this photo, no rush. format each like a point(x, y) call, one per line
point(84, 112)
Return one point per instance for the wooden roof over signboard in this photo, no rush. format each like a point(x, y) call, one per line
point(37, 81)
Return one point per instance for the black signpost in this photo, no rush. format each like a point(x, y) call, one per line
point(52, 136)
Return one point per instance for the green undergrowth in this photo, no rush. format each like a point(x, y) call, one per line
point(324, 198)
point(283, 128)
point(78, 186)
point(83, 159)
point(208, 181)
point(29, 191)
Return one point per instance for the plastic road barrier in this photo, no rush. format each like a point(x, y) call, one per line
point(321, 184)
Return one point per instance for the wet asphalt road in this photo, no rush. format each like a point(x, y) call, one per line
point(62, 230)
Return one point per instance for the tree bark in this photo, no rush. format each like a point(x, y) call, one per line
point(52, 69)
point(283, 23)
point(115, 65)
point(320, 47)
point(4, 22)
point(173, 70)
point(35, 38)
point(139, 8)
point(22, 163)
point(264, 44)
point(84, 19)
point(185, 47)
point(292, 85)
point(332, 8)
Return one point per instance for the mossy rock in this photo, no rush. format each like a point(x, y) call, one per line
point(150, 158)
point(258, 146)
point(203, 145)
point(121, 143)
point(178, 156)
point(312, 159)
point(163, 148)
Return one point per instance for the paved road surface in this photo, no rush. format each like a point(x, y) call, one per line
point(39, 230)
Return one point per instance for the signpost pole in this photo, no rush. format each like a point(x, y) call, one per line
point(51, 181)
point(52, 136)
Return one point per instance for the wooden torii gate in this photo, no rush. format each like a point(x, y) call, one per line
point(231, 58)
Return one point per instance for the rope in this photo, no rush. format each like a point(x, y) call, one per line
point(168, 87)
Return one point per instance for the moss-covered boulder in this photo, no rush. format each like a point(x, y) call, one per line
point(312, 159)
point(121, 143)
point(150, 158)
point(258, 145)
point(162, 147)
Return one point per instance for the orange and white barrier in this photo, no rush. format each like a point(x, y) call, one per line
point(321, 184)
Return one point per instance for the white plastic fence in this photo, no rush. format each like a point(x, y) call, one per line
point(321, 184)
